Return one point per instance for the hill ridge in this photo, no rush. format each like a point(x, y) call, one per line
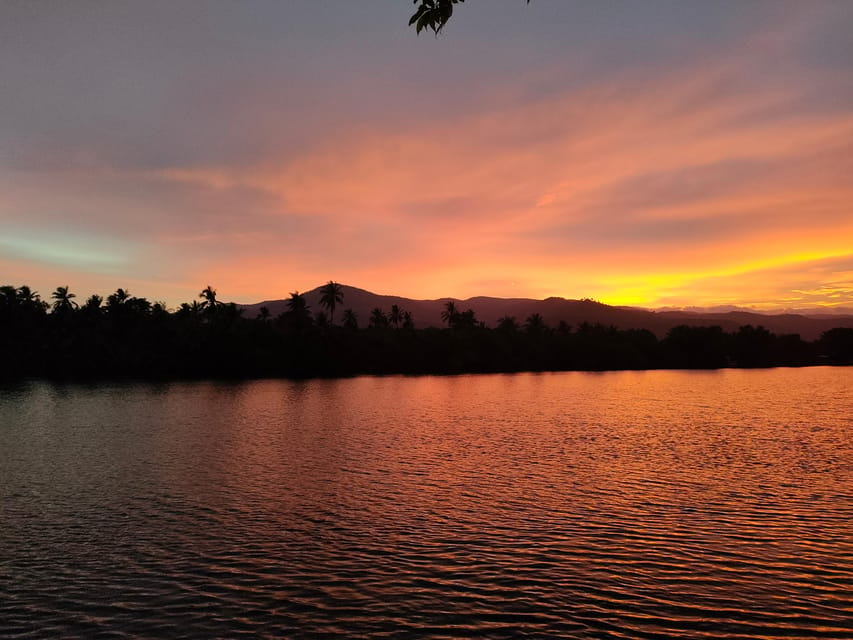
point(555, 309)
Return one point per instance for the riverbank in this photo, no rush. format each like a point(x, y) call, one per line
point(245, 349)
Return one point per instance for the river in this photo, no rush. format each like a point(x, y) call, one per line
point(659, 504)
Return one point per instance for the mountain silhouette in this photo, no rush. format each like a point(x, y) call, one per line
point(427, 313)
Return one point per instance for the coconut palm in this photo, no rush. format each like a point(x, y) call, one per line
point(408, 322)
point(534, 323)
point(26, 295)
point(118, 298)
point(93, 304)
point(298, 313)
point(450, 314)
point(208, 295)
point(378, 319)
point(30, 301)
point(331, 295)
point(63, 300)
point(296, 303)
point(395, 316)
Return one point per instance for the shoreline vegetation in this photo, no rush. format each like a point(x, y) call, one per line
point(124, 336)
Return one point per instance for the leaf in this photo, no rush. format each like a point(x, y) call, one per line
point(417, 14)
point(426, 20)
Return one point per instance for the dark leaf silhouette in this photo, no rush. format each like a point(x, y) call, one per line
point(433, 14)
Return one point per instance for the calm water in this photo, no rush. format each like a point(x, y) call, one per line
point(617, 505)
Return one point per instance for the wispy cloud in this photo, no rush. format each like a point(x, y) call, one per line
point(677, 165)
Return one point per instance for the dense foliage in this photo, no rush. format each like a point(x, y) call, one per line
point(129, 336)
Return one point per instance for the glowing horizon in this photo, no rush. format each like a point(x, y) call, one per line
point(699, 157)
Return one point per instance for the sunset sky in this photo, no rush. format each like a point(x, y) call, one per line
point(646, 153)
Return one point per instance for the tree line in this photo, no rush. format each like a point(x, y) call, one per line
point(127, 336)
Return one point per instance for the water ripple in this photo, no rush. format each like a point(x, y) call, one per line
point(633, 505)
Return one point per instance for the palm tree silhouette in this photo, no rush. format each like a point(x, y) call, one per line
point(450, 314)
point(210, 303)
point(29, 301)
point(297, 304)
point(93, 303)
point(26, 295)
point(331, 295)
point(297, 311)
point(63, 302)
point(378, 319)
point(534, 323)
point(21, 301)
point(118, 298)
point(396, 316)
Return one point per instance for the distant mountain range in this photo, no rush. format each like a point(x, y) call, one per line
point(427, 313)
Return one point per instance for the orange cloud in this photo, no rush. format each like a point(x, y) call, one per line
point(571, 192)
point(710, 181)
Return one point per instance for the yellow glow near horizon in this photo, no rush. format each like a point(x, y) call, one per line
point(717, 179)
point(653, 289)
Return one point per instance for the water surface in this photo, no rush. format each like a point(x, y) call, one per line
point(658, 504)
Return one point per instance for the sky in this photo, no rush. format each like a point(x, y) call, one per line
point(657, 153)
